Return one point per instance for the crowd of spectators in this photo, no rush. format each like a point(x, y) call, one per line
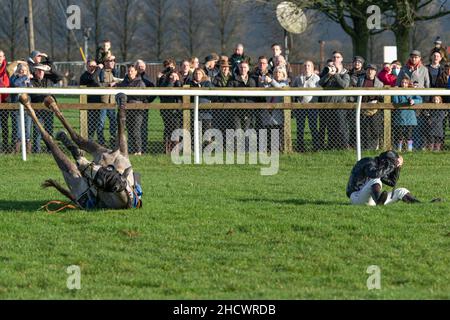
point(329, 128)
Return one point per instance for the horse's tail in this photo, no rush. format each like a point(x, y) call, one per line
point(52, 183)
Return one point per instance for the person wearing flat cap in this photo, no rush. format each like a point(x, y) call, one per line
point(210, 66)
point(415, 70)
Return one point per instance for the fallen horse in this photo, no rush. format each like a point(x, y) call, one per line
point(107, 182)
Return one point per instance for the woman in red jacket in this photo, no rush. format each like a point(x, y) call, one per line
point(4, 114)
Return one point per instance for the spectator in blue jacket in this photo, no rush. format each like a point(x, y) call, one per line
point(405, 120)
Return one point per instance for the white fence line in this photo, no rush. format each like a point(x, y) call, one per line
point(291, 92)
point(297, 92)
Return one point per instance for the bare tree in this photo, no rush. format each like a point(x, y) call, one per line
point(227, 17)
point(405, 15)
point(125, 25)
point(190, 18)
point(159, 24)
point(12, 27)
point(96, 11)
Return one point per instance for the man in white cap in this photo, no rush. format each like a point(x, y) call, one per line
point(45, 116)
point(36, 58)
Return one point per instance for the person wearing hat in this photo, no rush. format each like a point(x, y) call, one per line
point(45, 116)
point(40, 58)
point(35, 59)
point(440, 48)
point(371, 120)
point(357, 70)
point(210, 67)
point(223, 116)
point(415, 70)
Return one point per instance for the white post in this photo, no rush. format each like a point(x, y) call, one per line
point(358, 128)
point(196, 131)
point(22, 132)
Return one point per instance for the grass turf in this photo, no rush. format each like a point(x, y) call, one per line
point(225, 232)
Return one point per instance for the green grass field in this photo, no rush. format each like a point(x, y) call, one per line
point(226, 232)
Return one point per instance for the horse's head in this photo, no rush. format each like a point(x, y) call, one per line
point(110, 180)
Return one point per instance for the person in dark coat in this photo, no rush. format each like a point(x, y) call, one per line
point(91, 79)
point(172, 119)
point(237, 58)
point(367, 178)
point(134, 117)
point(210, 68)
point(334, 121)
point(243, 119)
point(45, 116)
point(201, 80)
point(223, 118)
point(142, 67)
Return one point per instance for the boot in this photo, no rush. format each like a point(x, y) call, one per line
point(28, 146)
point(437, 146)
point(409, 198)
point(17, 147)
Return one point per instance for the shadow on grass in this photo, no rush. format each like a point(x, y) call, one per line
point(27, 206)
point(297, 202)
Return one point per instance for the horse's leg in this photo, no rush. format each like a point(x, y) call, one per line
point(121, 119)
point(76, 183)
point(90, 146)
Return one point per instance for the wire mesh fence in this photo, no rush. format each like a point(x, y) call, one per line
point(158, 128)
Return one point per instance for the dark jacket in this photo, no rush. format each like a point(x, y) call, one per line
point(148, 84)
point(220, 81)
point(338, 81)
point(36, 83)
point(136, 83)
point(237, 82)
point(91, 80)
point(382, 167)
point(164, 82)
point(203, 84)
point(236, 60)
point(52, 75)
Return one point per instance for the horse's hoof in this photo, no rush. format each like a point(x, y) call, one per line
point(61, 136)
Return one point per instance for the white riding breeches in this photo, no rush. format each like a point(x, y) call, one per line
point(364, 196)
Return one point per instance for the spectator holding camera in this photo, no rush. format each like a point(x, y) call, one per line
point(334, 121)
point(135, 117)
point(91, 79)
point(172, 119)
point(22, 79)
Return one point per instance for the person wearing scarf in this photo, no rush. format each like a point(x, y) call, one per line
point(415, 70)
